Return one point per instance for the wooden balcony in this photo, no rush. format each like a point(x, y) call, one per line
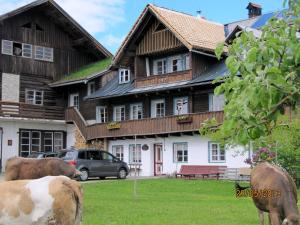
point(23, 110)
point(164, 79)
point(143, 127)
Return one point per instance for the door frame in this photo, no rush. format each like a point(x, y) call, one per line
point(154, 159)
point(1, 147)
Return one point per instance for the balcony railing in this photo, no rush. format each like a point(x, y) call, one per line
point(143, 127)
point(18, 109)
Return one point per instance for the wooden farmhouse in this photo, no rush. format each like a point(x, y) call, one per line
point(61, 88)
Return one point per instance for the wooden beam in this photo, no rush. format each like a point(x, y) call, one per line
point(79, 41)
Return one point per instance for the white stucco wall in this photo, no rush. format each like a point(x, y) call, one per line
point(197, 153)
point(11, 129)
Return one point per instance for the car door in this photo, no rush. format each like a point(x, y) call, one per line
point(95, 163)
point(110, 164)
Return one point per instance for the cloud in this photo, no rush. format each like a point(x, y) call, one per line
point(112, 40)
point(94, 15)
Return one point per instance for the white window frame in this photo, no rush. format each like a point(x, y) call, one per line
point(45, 139)
point(185, 106)
point(7, 47)
point(39, 140)
point(43, 53)
point(58, 147)
point(118, 109)
point(101, 114)
point(179, 65)
point(24, 49)
point(118, 151)
point(135, 155)
point(91, 88)
point(71, 100)
point(135, 110)
point(154, 104)
point(183, 148)
point(216, 103)
point(220, 153)
point(123, 79)
point(164, 62)
point(24, 138)
point(34, 100)
point(185, 62)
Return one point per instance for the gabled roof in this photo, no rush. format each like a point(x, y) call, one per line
point(195, 33)
point(61, 17)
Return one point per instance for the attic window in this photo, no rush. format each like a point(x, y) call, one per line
point(27, 25)
point(160, 27)
point(38, 27)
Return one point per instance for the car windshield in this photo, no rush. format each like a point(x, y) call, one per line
point(68, 155)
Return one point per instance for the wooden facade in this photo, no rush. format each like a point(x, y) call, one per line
point(157, 39)
point(43, 26)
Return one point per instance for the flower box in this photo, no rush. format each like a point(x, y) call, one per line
point(184, 119)
point(113, 126)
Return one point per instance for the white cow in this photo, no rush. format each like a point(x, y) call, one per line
point(51, 200)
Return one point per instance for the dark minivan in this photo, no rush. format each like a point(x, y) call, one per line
point(95, 163)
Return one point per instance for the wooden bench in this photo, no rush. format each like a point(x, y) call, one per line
point(200, 170)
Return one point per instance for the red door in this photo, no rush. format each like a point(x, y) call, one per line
point(158, 159)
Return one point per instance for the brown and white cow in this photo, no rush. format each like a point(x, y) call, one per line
point(51, 200)
point(18, 168)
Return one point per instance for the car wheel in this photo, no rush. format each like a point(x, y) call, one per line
point(84, 174)
point(102, 178)
point(122, 173)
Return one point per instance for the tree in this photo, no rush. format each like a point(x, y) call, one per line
point(263, 79)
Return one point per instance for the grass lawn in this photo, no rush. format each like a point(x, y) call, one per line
point(166, 202)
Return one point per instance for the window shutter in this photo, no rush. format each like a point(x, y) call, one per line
point(97, 114)
point(7, 47)
point(27, 50)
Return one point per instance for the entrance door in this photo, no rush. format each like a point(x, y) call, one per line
point(74, 100)
point(158, 159)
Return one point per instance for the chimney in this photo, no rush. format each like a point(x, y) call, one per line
point(198, 13)
point(254, 9)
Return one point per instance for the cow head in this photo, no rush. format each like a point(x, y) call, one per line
point(293, 219)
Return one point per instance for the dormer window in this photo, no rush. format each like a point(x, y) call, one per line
point(124, 76)
point(91, 88)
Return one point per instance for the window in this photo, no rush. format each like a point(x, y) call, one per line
point(107, 156)
point(216, 103)
point(34, 97)
point(48, 142)
point(118, 151)
point(216, 153)
point(136, 111)
point(7, 47)
point(176, 63)
point(135, 154)
point(25, 143)
point(119, 113)
point(58, 141)
point(181, 105)
point(93, 155)
point(124, 76)
point(91, 88)
point(157, 108)
point(44, 53)
point(17, 49)
point(39, 140)
point(180, 152)
point(160, 66)
point(186, 62)
point(101, 114)
point(74, 100)
point(27, 50)
point(35, 141)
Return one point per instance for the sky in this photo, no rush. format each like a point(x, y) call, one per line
point(109, 21)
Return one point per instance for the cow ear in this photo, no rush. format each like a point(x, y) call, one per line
point(285, 222)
